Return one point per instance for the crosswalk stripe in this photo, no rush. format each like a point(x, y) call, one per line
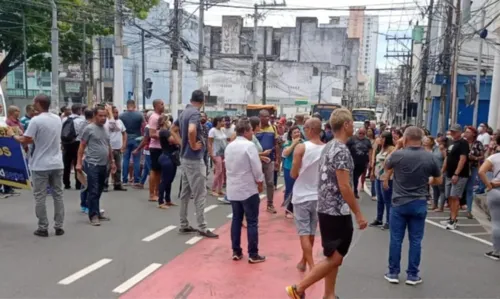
point(85, 271)
point(136, 278)
point(159, 233)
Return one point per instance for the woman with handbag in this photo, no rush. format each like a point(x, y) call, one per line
point(168, 160)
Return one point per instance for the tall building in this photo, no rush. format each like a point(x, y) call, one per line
point(363, 27)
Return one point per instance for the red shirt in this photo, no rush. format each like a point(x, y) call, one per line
point(14, 123)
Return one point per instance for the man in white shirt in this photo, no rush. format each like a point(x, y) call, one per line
point(118, 140)
point(71, 143)
point(46, 164)
point(483, 135)
point(244, 183)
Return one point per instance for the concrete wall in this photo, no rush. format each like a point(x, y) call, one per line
point(287, 82)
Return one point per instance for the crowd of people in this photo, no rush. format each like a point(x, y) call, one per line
point(325, 166)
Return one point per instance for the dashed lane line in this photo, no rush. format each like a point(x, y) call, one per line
point(136, 278)
point(211, 207)
point(85, 271)
point(196, 239)
point(159, 233)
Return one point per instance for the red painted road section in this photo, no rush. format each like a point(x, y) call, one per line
point(207, 271)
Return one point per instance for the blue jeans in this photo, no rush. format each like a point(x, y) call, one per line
point(373, 189)
point(289, 181)
point(132, 144)
point(168, 171)
point(412, 216)
point(469, 188)
point(250, 209)
point(384, 198)
point(83, 192)
point(146, 169)
point(96, 175)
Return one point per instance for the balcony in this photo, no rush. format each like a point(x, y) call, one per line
point(21, 93)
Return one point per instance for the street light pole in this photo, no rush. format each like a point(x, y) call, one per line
point(55, 56)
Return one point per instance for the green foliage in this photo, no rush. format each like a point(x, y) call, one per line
point(97, 15)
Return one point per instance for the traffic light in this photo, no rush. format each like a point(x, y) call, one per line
point(148, 88)
point(470, 92)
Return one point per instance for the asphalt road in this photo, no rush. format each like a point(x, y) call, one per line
point(106, 261)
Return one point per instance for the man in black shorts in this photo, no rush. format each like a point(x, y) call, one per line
point(335, 202)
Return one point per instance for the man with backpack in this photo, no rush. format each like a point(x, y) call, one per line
point(70, 139)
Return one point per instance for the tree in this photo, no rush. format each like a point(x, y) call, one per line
point(98, 15)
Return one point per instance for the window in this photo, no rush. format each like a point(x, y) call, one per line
point(107, 58)
point(45, 79)
point(276, 47)
point(19, 78)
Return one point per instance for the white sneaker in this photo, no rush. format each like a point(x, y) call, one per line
point(452, 225)
point(444, 222)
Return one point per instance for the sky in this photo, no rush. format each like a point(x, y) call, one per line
point(393, 23)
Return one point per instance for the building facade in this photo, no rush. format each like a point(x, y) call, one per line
point(365, 28)
point(302, 64)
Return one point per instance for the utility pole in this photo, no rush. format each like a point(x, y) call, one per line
point(255, 53)
point(201, 34)
point(84, 63)
point(255, 62)
point(101, 64)
point(446, 58)
point(180, 62)
point(424, 66)
point(264, 69)
point(25, 56)
point(456, 55)
point(118, 57)
point(478, 74)
point(320, 87)
point(174, 76)
point(55, 57)
point(143, 77)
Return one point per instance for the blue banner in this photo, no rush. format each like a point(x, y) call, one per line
point(13, 169)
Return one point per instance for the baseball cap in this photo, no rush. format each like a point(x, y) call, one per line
point(456, 128)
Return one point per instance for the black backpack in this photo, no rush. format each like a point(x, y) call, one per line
point(68, 132)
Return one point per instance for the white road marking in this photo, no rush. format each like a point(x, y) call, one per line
point(136, 278)
point(445, 218)
point(480, 234)
point(262, 196)
point(230, 215)
point(196, 239)
point(85, 271)
point(279, 186)
point(193, 240)
point(470, 236)
point(211, 207)
point(460, 233)
point(159, 233)
point(468, 225)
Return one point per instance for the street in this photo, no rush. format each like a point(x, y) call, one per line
point(139, 254)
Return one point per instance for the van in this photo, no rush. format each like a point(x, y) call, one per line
point(3, 109)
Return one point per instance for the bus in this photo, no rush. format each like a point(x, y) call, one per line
point(363, 114)
point(253, 110)
point(324, 110)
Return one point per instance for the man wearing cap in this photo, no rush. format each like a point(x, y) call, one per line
point(456, 169)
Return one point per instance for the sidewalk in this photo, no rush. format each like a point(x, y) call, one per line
point(206, 269)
